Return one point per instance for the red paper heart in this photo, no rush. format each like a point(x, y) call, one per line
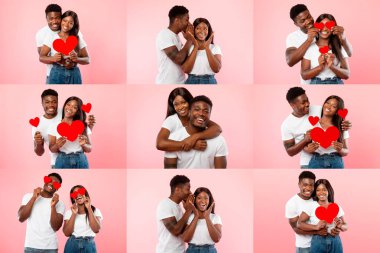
point(313, 120)
point(342, 113)
point(324, 49)
point(319, 25)
point(72, 131)
point(65, 47)
point(324, 138)
point(74, 195)
point(87, 107)
point(330, 24)
point(81, 191)
point(35, 122)
point(327, 214)
point(56, 185)
point(47, 179)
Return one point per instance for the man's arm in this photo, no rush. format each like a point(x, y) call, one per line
point(294, 55)
point(170, 163)
point(293, 224)
point(38, 144)
point(56, 219)
point(292, 148)
point(178, 57)
point(25, 210)
point(220, 162)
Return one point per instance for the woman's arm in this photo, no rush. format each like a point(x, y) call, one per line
point(215, 230)
point(190, 229)
point(81, 58)
point(341, 148)
point(342, 71)
point(301, 223)
point(163, 143)
point(44, 58)
point(188, 65)
point(68, 225)
point(308, 73)
point(341, 224)
point(94, 221)
point(85, 143)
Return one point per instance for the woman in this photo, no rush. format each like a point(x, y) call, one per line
point(71, 152)
point(330, 67)
point(205, 58)
point(177, 116)
point(323, 195)
point(82, 222)
point(330, 157)
point(65, 70)
point(204, 227)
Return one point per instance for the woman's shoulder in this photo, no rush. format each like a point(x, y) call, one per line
point(215, 48)
point(216, 219)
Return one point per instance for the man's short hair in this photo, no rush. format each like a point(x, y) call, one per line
point(306, 174)
point(57, 176)
point(293, 93)
point(177, 181)
point(297, 9)
point(49, 92)
point(177, 11)
point(53, 8)
point(201, 98)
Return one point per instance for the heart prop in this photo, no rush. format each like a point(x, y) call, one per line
point(65, 47)
point(81, 191)
point(330, 24)
point(342, 113)
point(47, 179)
point(313, 120)
point(56, 185)
point(319, 25)
point(87, 107)
point(324, 138)
point(324, 50)
point(34, 122)
point(327, 214)
point(72, 131)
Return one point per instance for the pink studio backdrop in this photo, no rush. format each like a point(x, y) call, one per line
point(233, 31)
point(271, 106)
point(272, 25)
point(107, 192)
point(354, 190)
point(24, 103)
point(147, 110)
point(102, 23)
point(146, 188)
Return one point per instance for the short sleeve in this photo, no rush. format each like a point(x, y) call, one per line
point(26, 198)
point(98, 214)
point(39, 39)
point(216, 50)
point(290, 42)
point(48, 41)
point(169, 124)
point(82, 42)
point(165, 40)
point(191, 217)
point(164, 211)
point(344, 53)
point(171, 154)
point(217, 219)
point(60, 207)
point(346, 135)
point(341, 212)
point(222, 147)
point(67, 215)
point(285, 132)
point(308, 53)
point(290, 210)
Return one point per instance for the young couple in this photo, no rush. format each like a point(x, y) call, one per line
point(61, 68)
point(295, 131)
point(63, 152)
point(199, 226)
point(200, 58)
point(189, 137)
point(314, 235)
point(44, 213)
point(327, 67)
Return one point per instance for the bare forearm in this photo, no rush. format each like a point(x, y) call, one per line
point(347, 47)
point(182, 54)
point(47, 59)
point(214, 233)
point(213, 61)
point(169, 145)
point(94, 223)
point(189, 231)
point(294, 149)
point(295, 55)
point(83, 60)
point(342, 73)
point(39, 149)
point(310, 73)
point(25, 211)
point(178, 228)
point(54, 148)
point(87, 148)
point(68, 227)
point(55, 219)
point(188, 65)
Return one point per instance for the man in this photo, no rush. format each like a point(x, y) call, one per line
point(51, 117)
point(171, 220)
point(214, 156)
point(44, 214)
point(299, 41)
point(170, 53)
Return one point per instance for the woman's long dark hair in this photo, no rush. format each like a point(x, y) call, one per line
point(334, 41)
point(208, 192)
point(75, 30)
point(329, 188)
point(180, 91)
point(86, 194)
point(337, 120)
point(203, 20)
point(79, 115)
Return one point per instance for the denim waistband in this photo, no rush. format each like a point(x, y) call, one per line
point(201, 76)
point(326, 79)
point(72, 153)
point(62, 66)
point(204, 246)
point(330, 154)
point(88, 238)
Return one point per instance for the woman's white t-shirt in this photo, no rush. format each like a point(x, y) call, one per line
point(201, 235)
point(310, 211)
point(172, 123)
point(82, 225)
point(201, 64)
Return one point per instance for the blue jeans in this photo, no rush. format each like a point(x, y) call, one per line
point(326, 161)
point(202, 79)
point(80, 245)
point(201, 248)
point(326, 244)
point(61, 75)
point(32, 250)
point(303, 250)
point(334, 80)
point(76, 160)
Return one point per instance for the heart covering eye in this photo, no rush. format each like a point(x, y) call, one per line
point(81, 191)
point(56, 185)
point(47, 179)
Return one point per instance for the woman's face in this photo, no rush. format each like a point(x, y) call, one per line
point(325, 32)
point(201, 31)
point(181, 106)
point(67, 24)
point(79, 200)
point(330, 108)
point(71, 108)
point(321, 192)
point(202, 201)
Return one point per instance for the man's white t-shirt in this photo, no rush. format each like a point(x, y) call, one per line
point(201, 64)
point(201, 235)
point(321, 150)
point(82, 224)
point(39, 233)
point(168, 71)
point(168, 243)
point(295, 128)
point(195, 159)
point(172, 123)
point(69, 146)
point(294, 208)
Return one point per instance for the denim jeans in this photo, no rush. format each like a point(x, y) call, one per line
point(202, 79)
point(303, 250)
point(201, 248)
point(326, 244)
point(334, 80)
point(61, 75)
point(80, 245)
point(326, 161)
point(32, 250)
point(76, 160)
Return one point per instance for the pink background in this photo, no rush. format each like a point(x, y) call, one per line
point(271, 108)
point(272, 25)
point(107, 192)
point(232, 110)
point(146, 188)
point(102, 23)
point(355, 190)
point(24, 102)
point(233, 31)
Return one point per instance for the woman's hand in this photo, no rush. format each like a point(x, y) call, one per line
point(189, 142)
point(200, 145)
point(208, 211)
point(87, 202)
point(337, 146)
point(57, 57)
point(73, 56)
point(322, 60)
point(61, 141)
point(311, 147)
point(321, 224)
point(330, 60)
point(82, 140)
point(338, 222)
point(74, 208)
point(339, 31)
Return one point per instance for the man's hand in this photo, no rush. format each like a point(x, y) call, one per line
point(54, 200)
point(322, 232)
point(311, 147)
point(91, 121)
point(73, 56)
point(38, 138)
point(321, 224)
point(346, 125)
point(189, 203)
point(337, 146)
point(37, 192)
point(339, 31)
point(57, 57)
point(311, 33)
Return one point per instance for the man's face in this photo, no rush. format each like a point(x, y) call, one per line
point(304, 21)
point(306, 186)
point(49, 187)
point(183, 22)
point(54, 20)
point(200, 114)
point(301, 105)
point(50, 105)
point(184, 191)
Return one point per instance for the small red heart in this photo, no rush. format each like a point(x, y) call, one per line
point(324, 138)
point(72, 131)
point(34, 122)
point(324, 49)
point(74, 195)
point(330, 24)
point(343, 113)
point(87, 107)
point(65, 47)
point(327, 214)
point(82, 191)
point(56, 185)
point(313, 120)
point(47, 179)
point(319, 25)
